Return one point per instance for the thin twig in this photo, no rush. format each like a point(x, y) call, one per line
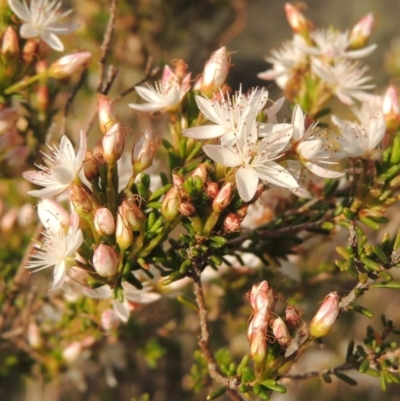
point(105, 46)
point(231, 385)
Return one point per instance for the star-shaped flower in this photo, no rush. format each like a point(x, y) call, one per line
point(40, 19)
point(61, 169)
point(57, 249)
point(254, 158)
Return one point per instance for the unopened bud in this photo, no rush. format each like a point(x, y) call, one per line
point(81, 200)
point(131, 214)
point(90, 166)
point(215, 71)
point(144, 151)
point(34, 338)
point(362, 31)
point(200, 171)
point(177, 179)
point(292, 317)
point(281, 332)
point(10, 46)
point(326, 316)
point(298, 21)
point(223, 198)
point(212, 190)
point(232, 223)
point(123, 236)
point(29, 51)
point(105, 261)
point(113, 144)
point(261, 296)
point(72, 352)
point(258, 348)
point(104, 221)
point(171, 204)
point(110, 320)
point(107, 116)
point(187, 209)
point(69, 64)
point(391, 109)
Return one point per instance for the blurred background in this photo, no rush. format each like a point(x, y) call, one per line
point(154, 351)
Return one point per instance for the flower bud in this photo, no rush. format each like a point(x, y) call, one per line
point(325, 317)
point(212, 190)
point(281, 332)
point(298, 21)
point(171, 204)
point(104, 223)
point(391, 109)
point(72, 352)
point(292, 317)
point(69, 64)
point(201, 172)
point(113, 144)
point(144, 151)
point(232, 223)
point(10, 46)
point(105, 261)
point(123, 236)
point(110, 320)
point(132, 215)
point(258, 348)
point(261, 296)
point(29, 51)
point(42, 97)
point(107, 116)
point(177, 179)
point(362, 31)
point(187, 209)
point(215, 71)
point(223, 198)
point(90, 167)
point(81, 200)
point(34, 338)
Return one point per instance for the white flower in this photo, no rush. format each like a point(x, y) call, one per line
point(40, 19)
point(347, 81)
point(57, 249)
point(164, 95)
point(284, 61)
point(61, 169)
point(314, 148)
point(255, 158)
point(359, 140)
point(230, 113)
point(334, 45)
point(52, 215)
point(131, 294)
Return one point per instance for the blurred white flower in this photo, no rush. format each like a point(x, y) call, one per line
point(58, 249)
point(255, 158)
point(61, 169)
point(346, 79)
point(41, 19)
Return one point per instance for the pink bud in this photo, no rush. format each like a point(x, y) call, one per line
point(29, 51)
point(10, 46)
point(104, 221)
point(171, 204)
point(325, 317)
point(362, 31)
point(8, 220)
point(297, 20)
point(144, 151)
point(69, 64)
point(113, 144)
point(110, 320)
point(107, 116)
point(261, 296)
point(200, 171)
point(81, 200)
point(72, 352)
point(292, 316)
point(215, 71)
point(187, 209)
point(232, 223)
point(105, 261)
point(223, 198)
point(132, 215)
point(391, 109)
point(123, 236)
point(177, 179)
point(212, 190)
point(281, 332)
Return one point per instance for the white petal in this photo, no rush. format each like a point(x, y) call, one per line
point(354, 54)
point(52, 40)
point(298, 123)
point(80, 157)
point(21, 10)
point(322, 172)
point(149, 94)
point(58, 276)
point(223, 155)
point(121, 309)
point(246, 181)
point(147, 107)
point(28, 31)
point(274, 173)
point(205, 132)
point(103, 292)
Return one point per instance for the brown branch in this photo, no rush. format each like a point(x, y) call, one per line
point(105, 46)
point(215, 373)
